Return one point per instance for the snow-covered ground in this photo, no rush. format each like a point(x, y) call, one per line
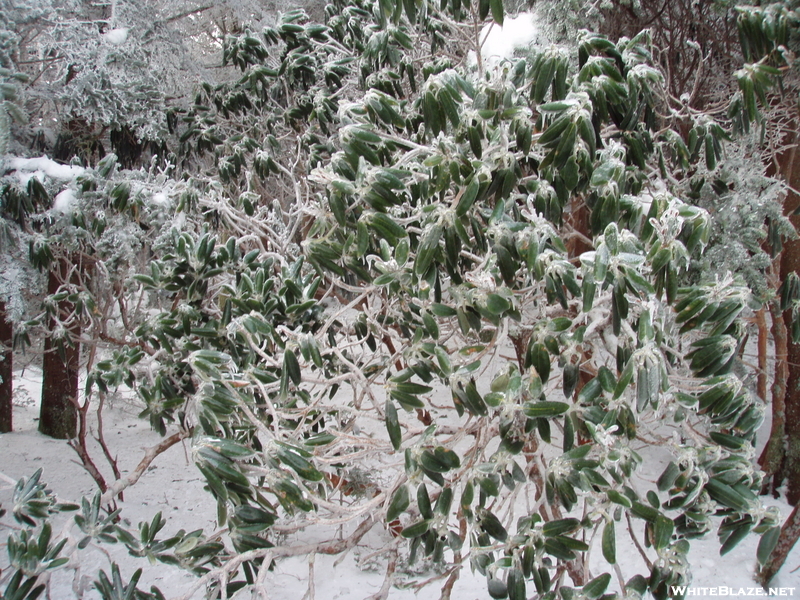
point(173, 486)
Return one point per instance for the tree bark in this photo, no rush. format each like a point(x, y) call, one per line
point(762, 382)
point(790, 532)
point(6, 372)
point(772, 457)
point(790, 263)
point(786, 166)
point(791, 459)
point(58, 416)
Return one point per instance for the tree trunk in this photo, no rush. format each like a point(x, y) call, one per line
point(786, 166)
point(6, 372)
point(790, 263)
point(762, 382)
point(771, 460)
point(790, 532)
point(58, 416)
point(791, 459)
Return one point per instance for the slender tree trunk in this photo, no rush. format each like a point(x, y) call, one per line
point(790, 263)
point(787, 166)
point(791, 459)
point(772, 457)
point(6, 372)
point(762, 384)
point(790, 532)
point(58, 416)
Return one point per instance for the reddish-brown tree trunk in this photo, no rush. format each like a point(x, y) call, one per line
point(58, 415)
point(772, 456)
point(762, 381)
point(6, 372)
point(791, 459)
point(790, 533)
point(787, 166)
point(790, 263)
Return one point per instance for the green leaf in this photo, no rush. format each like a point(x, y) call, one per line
point(597, 586)
point(398, 504)
point(609, 544)
point(767, 544)
point(590, 392)
point(560, 527)
point(726, 495)
point(668, 477)
point(497, 11)
point(492, 525)
point(292, 366)
point(416, 530)
point(442, 310)
point(428, 246)
point(662, 532)
point(409, 387)
point(734, 537)
point(406, 400)
point(648, 513)
point(544, 409)
point(618, 498)
point(444, 501)
point(559, 324)
point(299, 464)
point(540, 360)
point(447, 457)
point(424, 502)
point(497, 588)
point(570, 373)
point(555, 547)
point(497, 304)
point(516, 585)
point(393, 425)
point(253, 519)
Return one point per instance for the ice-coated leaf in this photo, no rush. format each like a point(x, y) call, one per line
point(609, 542)
point(597, 586)
point(393, 425)
point(544, 409)
point(767, 543)
point(399, 503)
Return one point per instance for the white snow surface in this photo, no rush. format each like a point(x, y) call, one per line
point(116, 36)
point(174, 486)
point(64, 200)
point(44, 166)
point(160, 199)
point(501, 42)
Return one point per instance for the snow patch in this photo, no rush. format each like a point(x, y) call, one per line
point(160, 199)
point(172, 485)
point(64, 200)
point(518, 32)
point(47, 166)
point(117, 36)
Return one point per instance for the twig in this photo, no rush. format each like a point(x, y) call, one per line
point(383, 593)
point(116, 488)
point(637, 544)
point(262, 575)
point(311, 592)
point(447, 588)
point(188, 13)
point(335, 546)
point(79, 445)
point(100, 437)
